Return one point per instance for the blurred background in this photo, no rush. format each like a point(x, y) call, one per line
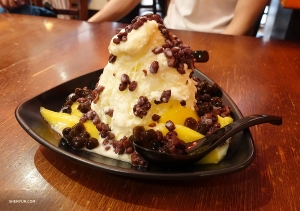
point(280, 19)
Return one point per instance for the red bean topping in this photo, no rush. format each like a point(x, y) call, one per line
point(77, 137)
point(141, 108)
point(181, 70)
point(132, 86)
point(145, 72)
point(149, 15)
point(137, 160)
point(91, 114)
point(116, 40)
point(155, 117)
point(69, 102)
point(99, 126)
point(111, 136)
point(92, 143)
point(83, 119)
point(122, 34)
point(78, 142)
point(142, 100)
point(178, 53)
point(125, 78)
point(175, 49)
point(124, 145)
point(84, 106)
point(181, 53)
point(167, 45)
point(183, 103)
point(154, 67)
point(103, 134)
point(138, 130)
point(129, 150)
point(171, 62)
point(118, 30)
point(82, 100)
point(165, 96)
point(110, 112)
point(157, 102)
point(187, 50)
point(137, 24)
point(112, 58)
point(134, 20)
point(122, 86)
point(152, 124)
point(142, 18)
point(96, 92)
point(105, 127)
point(157, 18)
point(159, 135)
point(168, 53)
point(85, 134)
point(191, 123)
point(170, 125)
point(96, 98)
point(128, 28)
point(105, 142)
point(100, 88)
point(158, 50)
point(66, 131)
point(96, 120)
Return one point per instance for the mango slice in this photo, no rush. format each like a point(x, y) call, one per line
point(178, 114)
point(216, 155)
point(184, 133)
point(224, 120)
point(75, 111)
point(58, 121)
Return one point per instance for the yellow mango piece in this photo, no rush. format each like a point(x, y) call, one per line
point(184, 133)
point(91, 129)
point(224, 120)
point(216, 155)
point(75, 111)
point(219, 153)
point(58, 121)
point(178, 114)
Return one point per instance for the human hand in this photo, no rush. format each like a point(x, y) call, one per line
point(11, 4)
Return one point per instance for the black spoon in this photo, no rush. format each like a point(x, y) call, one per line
point(204, 145)
point(201, 55)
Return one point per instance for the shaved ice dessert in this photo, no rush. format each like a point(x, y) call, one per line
point(146, 92)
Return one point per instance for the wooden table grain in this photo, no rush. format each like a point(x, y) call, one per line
point(261, 77)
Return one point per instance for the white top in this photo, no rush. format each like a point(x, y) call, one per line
point(200, 15)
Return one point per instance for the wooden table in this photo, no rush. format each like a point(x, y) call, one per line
point(261, 77)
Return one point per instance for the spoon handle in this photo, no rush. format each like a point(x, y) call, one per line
point(201, 56)
point(212, 141)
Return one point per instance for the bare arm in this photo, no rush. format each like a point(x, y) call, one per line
point(10, 4)
point(245, 15)
point(114, 10)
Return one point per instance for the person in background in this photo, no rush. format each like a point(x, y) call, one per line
point(115, 10)
point(22, 7)
point(234, 17)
